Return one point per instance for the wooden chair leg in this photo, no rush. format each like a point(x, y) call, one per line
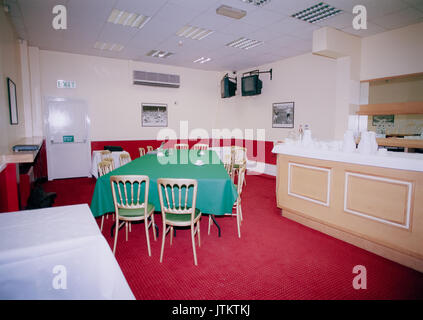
point(163, 242)
point(102, 221)
point(153, 226)
point(238, 220)
point(210, 220)
point(116, 235)
point(198, 231)
point(193, 244)
point(147, 236)
point(171, 234)
point(126, 230)
point(130, 226)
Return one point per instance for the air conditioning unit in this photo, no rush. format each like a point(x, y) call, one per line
point(156, 79)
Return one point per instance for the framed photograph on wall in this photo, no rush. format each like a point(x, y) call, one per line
point(154, 115)
point(381, 120)
point(13, 106)
point(283, 115)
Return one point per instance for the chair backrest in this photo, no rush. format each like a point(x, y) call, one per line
point(142, 151)
point(104, 167)
point(241, 177)
point(110, 160)
point(200, 146)
point(124, 158)
point(127, 191)
point(239, 155)
point(105, 154)
point(174, 200)
point(181, 146)
point(149, 148)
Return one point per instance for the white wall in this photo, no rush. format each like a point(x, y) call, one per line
point(392, 53)
point(115, 104)
point(308, 80)
point(9, 67)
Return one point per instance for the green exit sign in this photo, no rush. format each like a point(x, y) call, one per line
point(68, 139)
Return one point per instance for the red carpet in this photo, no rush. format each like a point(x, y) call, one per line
point(275, 259)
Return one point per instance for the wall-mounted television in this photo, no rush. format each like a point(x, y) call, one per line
point(227, 87)
point(251, 85)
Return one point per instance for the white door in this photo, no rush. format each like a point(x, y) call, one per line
point(67, 138)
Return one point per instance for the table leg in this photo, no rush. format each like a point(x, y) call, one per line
point(217, 225)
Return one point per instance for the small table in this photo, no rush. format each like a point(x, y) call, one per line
point(96, 158)
point(57, 253)
point(216, 191)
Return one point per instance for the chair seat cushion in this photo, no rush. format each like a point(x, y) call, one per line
point(173, 217)
point(135, 212)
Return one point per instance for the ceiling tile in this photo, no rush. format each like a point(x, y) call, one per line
point(372, 29)
point(262, 17)
point(399, 19)
point(148, 8)
point(375, 8)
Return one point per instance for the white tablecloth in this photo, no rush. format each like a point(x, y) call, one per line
point(57, 253)
point(96, 158)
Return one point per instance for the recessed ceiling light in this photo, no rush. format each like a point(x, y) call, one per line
point(230, 12)
point(195, 33)
point(257, 3)
point(159, 54)
point(202, 60)
point(108, 46)
point(244, 43)
point(316, 13)
point(130, 19)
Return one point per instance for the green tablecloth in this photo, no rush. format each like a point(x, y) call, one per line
point(216, 192)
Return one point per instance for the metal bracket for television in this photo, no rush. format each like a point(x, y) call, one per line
point(258, 72)
point(227, 76)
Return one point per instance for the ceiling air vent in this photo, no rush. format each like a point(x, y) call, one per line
point(156, 79)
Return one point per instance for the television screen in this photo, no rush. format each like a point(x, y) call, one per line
point(227, 87)
point(251, 85)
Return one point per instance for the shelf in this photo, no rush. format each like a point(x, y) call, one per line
point(398, 142)
point(415, 107)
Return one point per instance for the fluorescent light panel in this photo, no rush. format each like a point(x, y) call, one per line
point(159, 54)
point(316, 13)
point(192, 32)
point(108, 46)
point(129, 19)
point(244, 43)
point(202, 60)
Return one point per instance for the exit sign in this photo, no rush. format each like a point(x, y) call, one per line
point(68, 139)
point(66, 84)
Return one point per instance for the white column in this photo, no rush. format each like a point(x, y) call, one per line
point(26, 89)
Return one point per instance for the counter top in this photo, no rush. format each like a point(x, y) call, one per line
point(7, 154)
point(388, 159)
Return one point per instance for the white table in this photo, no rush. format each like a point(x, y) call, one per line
point(57, 253)
point(96, 158)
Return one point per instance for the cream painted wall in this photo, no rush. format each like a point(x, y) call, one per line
point(115, 104)
point(392, 53)
point(9, 67)
point(308, 80)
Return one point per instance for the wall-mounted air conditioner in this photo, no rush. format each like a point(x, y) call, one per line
point(156, 79)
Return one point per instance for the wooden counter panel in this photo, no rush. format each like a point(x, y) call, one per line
point(309, 182)
point(383, 200)
point(384, 205)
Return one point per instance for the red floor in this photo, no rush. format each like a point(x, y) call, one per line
point(275, 259)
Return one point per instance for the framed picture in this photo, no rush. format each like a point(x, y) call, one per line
point(283, 115)
point(383, 120)
point(154, 115)
point(13, 107)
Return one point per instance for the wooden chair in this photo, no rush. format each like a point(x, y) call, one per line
point(181, 146)
point(200, 146)
point(111, 161)
point(178, 210)
point(142, 151)
point(239, 159)
point(237, 205)
point(104, 167)
point(124, 158)
point(105, 154)
point(129, 205)
point(149, 148)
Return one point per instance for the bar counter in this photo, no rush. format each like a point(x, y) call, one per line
point(372, 201)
